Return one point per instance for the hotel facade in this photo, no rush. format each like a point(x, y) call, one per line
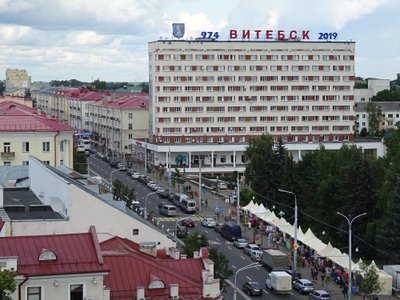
point(208, 98)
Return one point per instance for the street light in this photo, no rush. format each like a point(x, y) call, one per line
point(350, 222)
point(295, 227)
point(241, 269)
point(111, 183)
point(145, 203)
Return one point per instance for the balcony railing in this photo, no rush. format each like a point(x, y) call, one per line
point(7, 155)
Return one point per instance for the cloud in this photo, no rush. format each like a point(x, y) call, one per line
point(85, 38)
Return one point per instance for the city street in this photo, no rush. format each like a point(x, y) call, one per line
point(237, 258)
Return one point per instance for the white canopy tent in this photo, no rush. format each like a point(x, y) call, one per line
point(260, 210)
point(251, 205)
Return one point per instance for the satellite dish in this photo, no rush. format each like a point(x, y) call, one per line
point(56, 204)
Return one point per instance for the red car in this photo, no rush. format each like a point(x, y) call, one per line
point(187, 222)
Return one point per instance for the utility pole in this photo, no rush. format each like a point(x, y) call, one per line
point(145, 157)
point(238, 199)
point(200, 188)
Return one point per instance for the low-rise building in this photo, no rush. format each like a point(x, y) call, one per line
point(25, 131)
point(18, 82)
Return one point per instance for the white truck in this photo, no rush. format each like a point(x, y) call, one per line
point(394, 271)
point(279, 282)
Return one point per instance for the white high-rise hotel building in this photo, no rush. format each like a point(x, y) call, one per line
point(208, 98)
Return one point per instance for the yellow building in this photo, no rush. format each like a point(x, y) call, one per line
point(17, 82)
point(24, 133)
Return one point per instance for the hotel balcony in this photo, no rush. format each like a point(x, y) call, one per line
point(7, 155)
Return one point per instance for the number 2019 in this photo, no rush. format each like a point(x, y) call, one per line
point(327, 35)
point(209, 35)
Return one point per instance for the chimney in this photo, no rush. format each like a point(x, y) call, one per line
point(174, 291)
point(1, 196)
point(140, 293)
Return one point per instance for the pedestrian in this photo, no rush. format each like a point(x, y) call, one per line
point(322, 278)
point(206, 202)
point(344, 290)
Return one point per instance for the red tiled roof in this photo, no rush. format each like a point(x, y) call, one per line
point(137, 102)
point(20, 118)
point(76, 253)
point(129, 269)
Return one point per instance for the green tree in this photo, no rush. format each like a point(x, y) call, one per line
point(387, 95)
point(7, 284)
point(374, 117)
point(370, 285)
point(221, 266)
point(145, 87)
point(117, 189)
point(177, 178)
point(387, 236)
point(80, 162)
point(261, 166)
point(193, 242)
point(2, 87)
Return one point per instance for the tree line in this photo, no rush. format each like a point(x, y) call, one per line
point(326, 182)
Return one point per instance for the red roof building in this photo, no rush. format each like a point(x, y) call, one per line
point(136, 274)
point(25, 131)
point(51, 264)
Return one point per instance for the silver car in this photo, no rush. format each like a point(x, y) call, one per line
point(319, 295)
point(240, 243)
point(303, 286)
point(208, 222)
point(250, 247)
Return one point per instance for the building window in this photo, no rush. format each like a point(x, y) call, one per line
point(76, 292)
point(62, 146)
point(47, 162)
point(7, 163)
point(34, 293)
point(25, 146)
point(7, 147)
point(46, 147)
point(130, 115)
point(130, 126)
point(25, 162)
point(223, 159)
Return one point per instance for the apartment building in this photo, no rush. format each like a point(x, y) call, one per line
point(209, 97)
point(117, 119)
point(25, 132)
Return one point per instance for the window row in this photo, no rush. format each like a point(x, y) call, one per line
point(189, 99)
point(272, 68)
point(25, 147)
point(254, 57)
point(168, 79)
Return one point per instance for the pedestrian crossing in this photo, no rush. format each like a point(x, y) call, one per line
point(177, 218)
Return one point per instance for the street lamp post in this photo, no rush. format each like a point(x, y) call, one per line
point(241, 269)
point(145, 203)
point(295, 227)
point(350, 223)
point(111, 183)
point(238, 198)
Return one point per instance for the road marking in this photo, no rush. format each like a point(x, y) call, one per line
point(237, 289)
point(266, 292)
point(218, 239)
point(230, 248)
point(248, 278)
point(213, 243)
point(233, 266)
point(206, 231)
point(242, 257)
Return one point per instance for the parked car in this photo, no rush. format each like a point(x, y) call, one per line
point(187, 222)
point(129, 172)
point(208, 222)
point(256, 255)
point(252, 288)
point(295, 274)
point(303, 286)
point(217, 227)
point(149, 183)
point(135, 175)
point(155, 187)
point(250, 247)
point(319, 295)
point(240, 243)
point(163, 192)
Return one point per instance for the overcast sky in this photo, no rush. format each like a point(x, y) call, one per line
point(107, 39)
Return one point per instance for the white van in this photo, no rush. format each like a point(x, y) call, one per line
point(167, 210)
point(188, 205)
